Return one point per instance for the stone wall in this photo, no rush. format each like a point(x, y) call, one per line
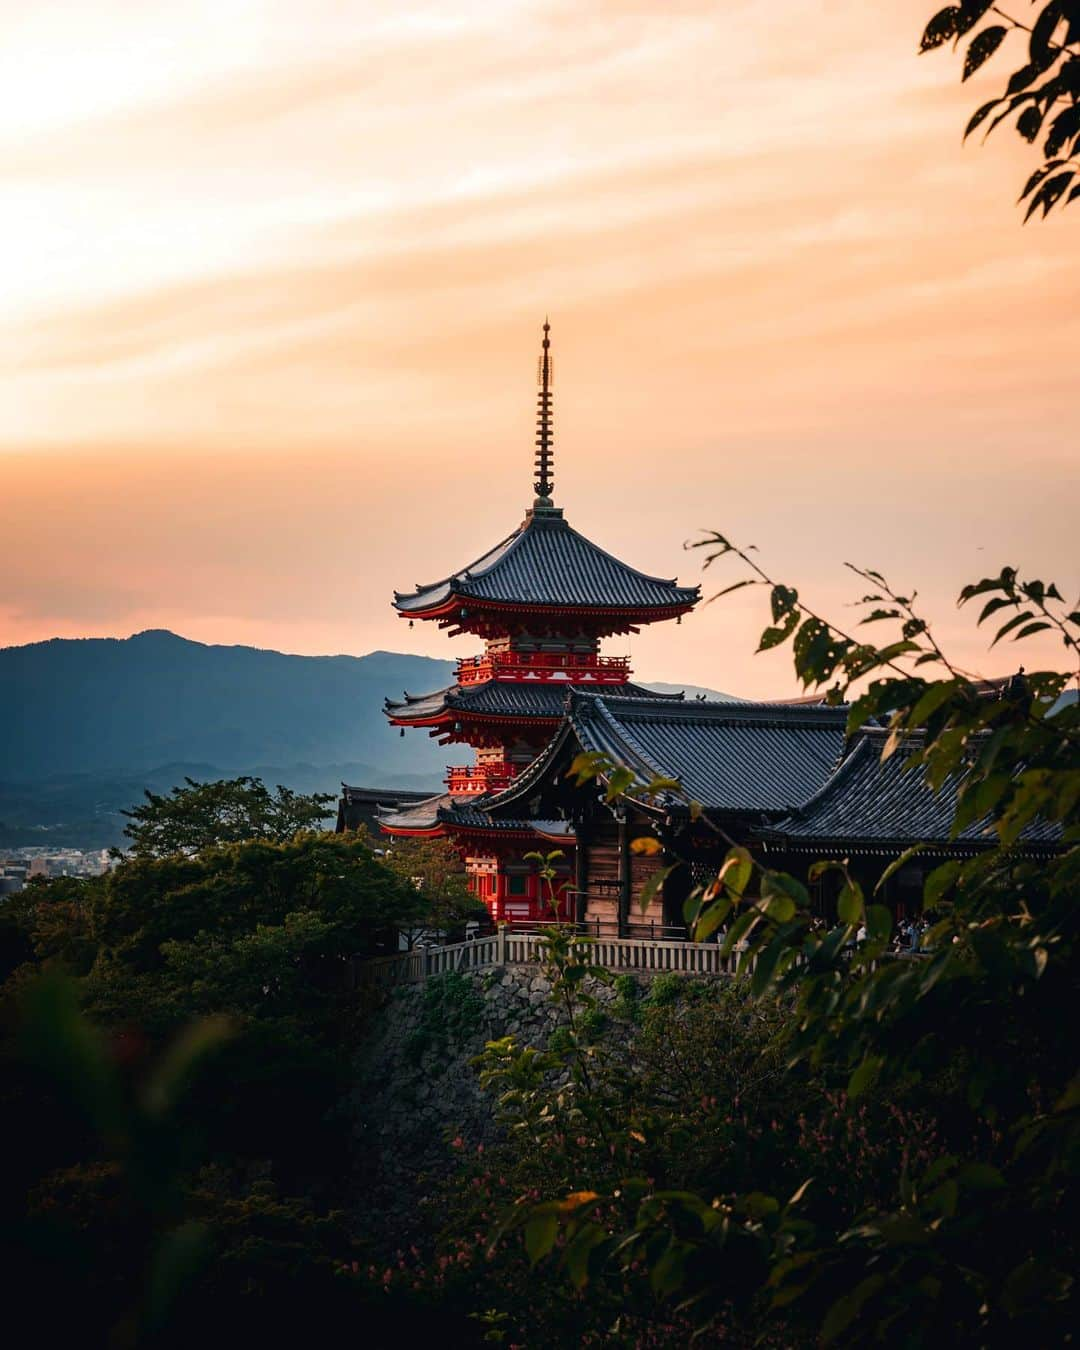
point(416, 1087)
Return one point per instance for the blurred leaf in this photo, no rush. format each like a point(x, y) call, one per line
point(180, 1256)
point(174, 1068)
point(541, 1230)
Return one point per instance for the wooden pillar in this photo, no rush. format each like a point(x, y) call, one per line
point(581, 875)
point(624, 874)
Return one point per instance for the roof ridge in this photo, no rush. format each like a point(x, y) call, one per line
point(618, 731)
point(648, 576)
point(720, 709)
point(467, 569)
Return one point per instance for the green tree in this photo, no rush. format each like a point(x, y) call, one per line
point(229, 811)
point(434, 868)
point(1042, 92)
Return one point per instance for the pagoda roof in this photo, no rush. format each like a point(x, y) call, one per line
point(730, 757)
point(502, 698)
point(885, 806)
point(420, 817)
point(737, 758)
point(547, 564)
point(362, 806)
point(475, 818)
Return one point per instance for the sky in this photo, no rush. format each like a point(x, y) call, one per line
point(274, 274)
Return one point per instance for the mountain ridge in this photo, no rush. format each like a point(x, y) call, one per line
point(86, 724)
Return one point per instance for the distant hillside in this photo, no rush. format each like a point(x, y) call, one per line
point(121, 706)
point(87, 724)
point(691, 691)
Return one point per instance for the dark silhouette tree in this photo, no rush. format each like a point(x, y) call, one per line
point(1042, 93)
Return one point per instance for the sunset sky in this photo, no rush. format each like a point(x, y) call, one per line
point(274, 273)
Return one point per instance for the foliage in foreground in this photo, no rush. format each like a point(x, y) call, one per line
point(180, 1145)
point(975, 1246)
point(1042, 93)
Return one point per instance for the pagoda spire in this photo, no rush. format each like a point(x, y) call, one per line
point(545, 453)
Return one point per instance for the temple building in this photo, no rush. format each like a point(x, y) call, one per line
point(542, 600)
point(782, 779)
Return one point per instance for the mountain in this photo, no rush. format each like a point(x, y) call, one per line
point(107, 705)
point(86, 724)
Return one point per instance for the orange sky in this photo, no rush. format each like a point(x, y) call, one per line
point(273, 276)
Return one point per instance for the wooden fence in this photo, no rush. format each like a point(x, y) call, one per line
point(507, 948)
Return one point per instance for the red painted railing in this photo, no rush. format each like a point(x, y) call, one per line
point(492, 777)
point(567, 667)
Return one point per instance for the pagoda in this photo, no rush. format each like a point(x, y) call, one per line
point(541, 600)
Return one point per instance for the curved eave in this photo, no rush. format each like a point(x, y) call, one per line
point(488, 834)
point(457, 601)
point(892, 848)
point(463, 715)
point(435, 832)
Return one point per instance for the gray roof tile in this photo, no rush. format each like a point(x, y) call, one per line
point(505, 698)
point(546, 562)
point(870, 802)
point(730, 757)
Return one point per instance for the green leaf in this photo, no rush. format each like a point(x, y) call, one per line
point(578, 1249)
point(939, 882)
point(783, 883)
point(849, 905)
point(980, 115)
point(540, 1234)
point(772, 637)
point(619, 779)
point(653, 884)
point(878, 923)
point(738, 931)
point(1002, 602)
point(783, 600)
point(176, 1066)
point(735, 586)
point(766, 963)
point(180, 1255)
point(736, 870)
point(940, 29)
point(980, 1176)
point(708, 922)
point(865, 1076)
point(897, 863)
point(780, 908)
point(936, 696)
point(846, 1309)
point(1038, 627)
point(983, 46)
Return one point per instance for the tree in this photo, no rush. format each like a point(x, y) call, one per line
point(228, 811)
point(1043, 91)
point(433, 867)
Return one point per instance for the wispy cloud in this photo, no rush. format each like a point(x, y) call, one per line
point(272, 276)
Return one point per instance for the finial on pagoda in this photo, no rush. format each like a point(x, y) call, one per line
point(545, 454)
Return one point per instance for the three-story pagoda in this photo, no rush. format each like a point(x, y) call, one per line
point(542, 600)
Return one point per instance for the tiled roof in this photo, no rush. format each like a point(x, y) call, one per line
point(870, 802)
point(361, 806)
point(546, 562)
point(423, 815)
point(471, 817)
point(730, 757)
point(503, 698)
